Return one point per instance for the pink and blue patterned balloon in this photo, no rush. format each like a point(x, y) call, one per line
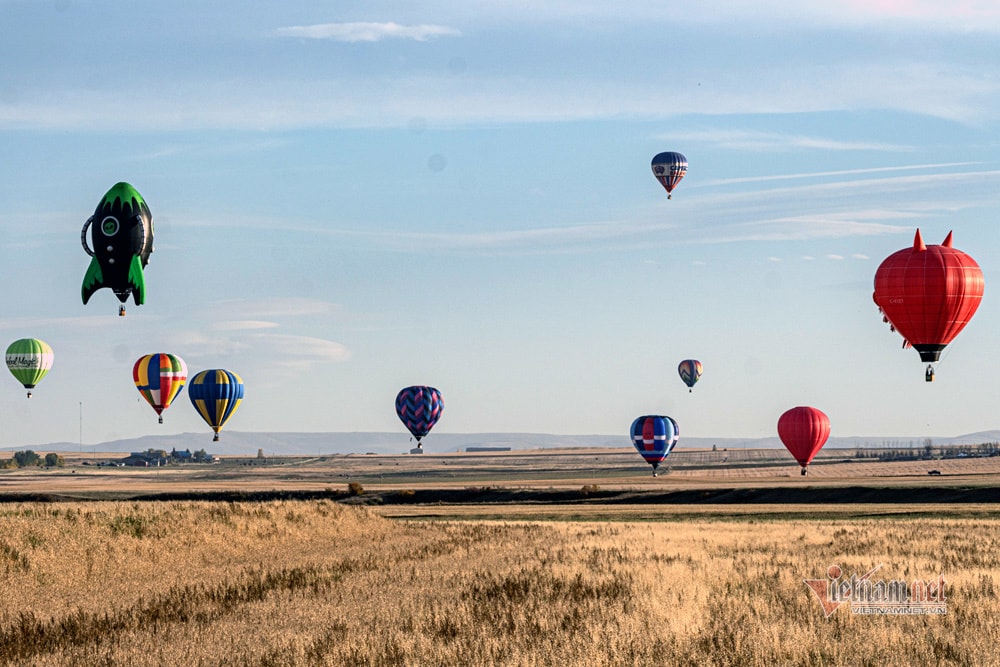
point(419, 408)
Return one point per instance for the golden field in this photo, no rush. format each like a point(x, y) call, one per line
point(323, 583)
point(534, 557)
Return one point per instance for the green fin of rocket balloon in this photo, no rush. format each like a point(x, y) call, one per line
point(93, 280)
point(136, 280)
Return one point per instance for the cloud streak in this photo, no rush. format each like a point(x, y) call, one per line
point(843, 172)
point(750, 140)
point(393, 98)
point(367, 32)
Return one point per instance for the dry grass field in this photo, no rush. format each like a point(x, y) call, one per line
point(615, 574)
point(321, 583)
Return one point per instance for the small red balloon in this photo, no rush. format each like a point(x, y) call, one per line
point(803, 430)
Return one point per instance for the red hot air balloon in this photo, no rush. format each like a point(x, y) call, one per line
point(803, 430)
point(928, 293)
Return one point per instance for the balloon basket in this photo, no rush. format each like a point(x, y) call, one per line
point(121, 311)
point(216, 438)
point(160, 420)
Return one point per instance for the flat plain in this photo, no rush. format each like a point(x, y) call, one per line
point(560, 557)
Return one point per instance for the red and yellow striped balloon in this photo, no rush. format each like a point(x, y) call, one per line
point(159, 378)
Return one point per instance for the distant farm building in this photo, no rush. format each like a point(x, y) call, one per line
point(487, 449)
point(144, 460)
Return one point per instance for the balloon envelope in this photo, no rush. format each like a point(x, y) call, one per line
point(29, 360)
point(654, 437)
point(216, 394)
point(159, 378)
point(419, 408)
point(803, 430)
point(121, 230)
point(928, 293)
point(690, 371)
point(669, 168)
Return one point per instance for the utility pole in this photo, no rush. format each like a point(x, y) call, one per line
point(81, 427)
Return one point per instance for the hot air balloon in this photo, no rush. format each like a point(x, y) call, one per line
point(928, 293)
point(669, 169)
point(419, 408)
point(29, 360)
point(803, 430)
point(654, 436)
point(216, 394)
point(122, 233)
point(159, 378)
point(690, 372)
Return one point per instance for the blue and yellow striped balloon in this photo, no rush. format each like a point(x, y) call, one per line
point(216, 394)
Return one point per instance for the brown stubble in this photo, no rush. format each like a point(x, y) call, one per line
point(318, 583)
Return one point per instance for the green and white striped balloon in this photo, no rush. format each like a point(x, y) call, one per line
point(29, 360)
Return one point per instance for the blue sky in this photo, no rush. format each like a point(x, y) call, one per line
point(353, 198)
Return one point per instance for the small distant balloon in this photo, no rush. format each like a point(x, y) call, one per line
point(803, 430)
point(29, 360)
point(690, 372)
point(419, 408)
point(669, 168)
point(654, 437)
point(216, 394)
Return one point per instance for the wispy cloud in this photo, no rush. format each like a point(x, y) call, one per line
point(270, 349)
point(267, 309)
point(843, 172)
point(300, 351)
point(242, 325)
point(752, 140)
point(797, 228)
point(393, 98)
point(30, 323)
point(367, 32)
point(840, 207)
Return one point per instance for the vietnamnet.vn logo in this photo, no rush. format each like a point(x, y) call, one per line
point(866, 595)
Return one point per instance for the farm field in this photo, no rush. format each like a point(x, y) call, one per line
point(323, 583)
point(507, 558)
point(608, 469)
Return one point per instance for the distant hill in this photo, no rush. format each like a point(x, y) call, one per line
point(304, 444)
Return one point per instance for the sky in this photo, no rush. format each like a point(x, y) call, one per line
point(354, 197)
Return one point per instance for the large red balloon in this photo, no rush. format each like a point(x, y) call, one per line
point(804, 431)
point(928, 293)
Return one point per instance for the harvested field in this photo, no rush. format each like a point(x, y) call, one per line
point(320, 583)
point(610, 469)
